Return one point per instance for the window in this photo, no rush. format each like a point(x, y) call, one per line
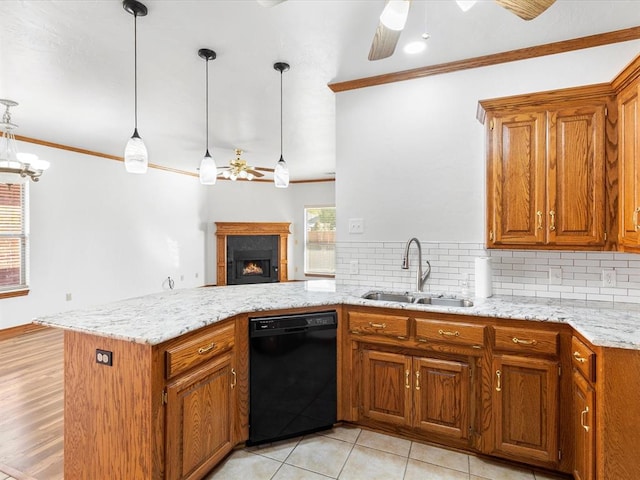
point(320, 241)
point(14, 239)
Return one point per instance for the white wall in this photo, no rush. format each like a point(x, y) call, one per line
point(261, 202)
point(411, 154)
point(102, 234)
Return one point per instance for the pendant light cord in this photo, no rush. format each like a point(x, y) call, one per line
point(135, 68)
point(281, 114)
point(207, 100)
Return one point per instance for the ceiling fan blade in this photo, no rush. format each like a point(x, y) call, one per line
point(384, 42)
point(526, 9)
point(392, 21)
point(255, 173)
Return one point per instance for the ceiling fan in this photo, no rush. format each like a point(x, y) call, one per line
point(394, 17)
point(395, 12)
point(238, 168)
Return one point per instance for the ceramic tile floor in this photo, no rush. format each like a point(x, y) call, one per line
point(349, 453)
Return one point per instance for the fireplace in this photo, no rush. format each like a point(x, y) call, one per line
point(252, 259)
point(251, 253)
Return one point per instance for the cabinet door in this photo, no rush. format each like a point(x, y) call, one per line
point(629, 155)
point(525, 408)
point(584, 428)
point(575, 176)
point(386, 385)
point(442, 398)
point(199, 419)
point(517, 180)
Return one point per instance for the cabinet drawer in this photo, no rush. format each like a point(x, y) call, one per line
point(385, 325)
point(190, 353)
point(526, 340)
point(583, 359)
point(450, 332)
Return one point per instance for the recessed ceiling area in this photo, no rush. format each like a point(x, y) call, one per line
point(70, 66)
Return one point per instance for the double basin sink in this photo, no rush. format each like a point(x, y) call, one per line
point(426, 300)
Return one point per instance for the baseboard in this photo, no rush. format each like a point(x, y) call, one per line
point(20, 330)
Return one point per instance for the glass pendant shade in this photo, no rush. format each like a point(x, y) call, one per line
point(208, 170)
point(281, 174)
point(136, 159)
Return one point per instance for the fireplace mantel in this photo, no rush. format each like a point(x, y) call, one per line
point(224, 229)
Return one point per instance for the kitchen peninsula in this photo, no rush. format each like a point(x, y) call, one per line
point(142, 374)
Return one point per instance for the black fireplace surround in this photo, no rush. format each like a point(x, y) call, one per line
point(252, 259)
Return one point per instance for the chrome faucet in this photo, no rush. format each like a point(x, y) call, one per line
point(420, 277)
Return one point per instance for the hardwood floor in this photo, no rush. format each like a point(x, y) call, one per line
point(31, 405)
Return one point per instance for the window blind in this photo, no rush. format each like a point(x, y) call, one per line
point(13, 237)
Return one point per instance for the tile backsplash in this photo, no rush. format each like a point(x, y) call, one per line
point(514, 272)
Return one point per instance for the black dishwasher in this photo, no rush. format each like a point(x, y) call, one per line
point(292, 375)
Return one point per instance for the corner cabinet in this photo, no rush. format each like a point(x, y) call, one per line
point(546, 168)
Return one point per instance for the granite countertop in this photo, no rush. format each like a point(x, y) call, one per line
point(153, 319)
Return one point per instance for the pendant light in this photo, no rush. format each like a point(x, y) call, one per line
point(208, 169)
point(136, 159)
point(281, 172)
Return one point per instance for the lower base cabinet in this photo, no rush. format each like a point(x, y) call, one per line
point(426, 394)
point(200, 419)
point(584, 428)
point(525, 404)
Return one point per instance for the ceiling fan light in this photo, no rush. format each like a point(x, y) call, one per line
point(250, 176)
point(136, 159)
point(208, 170)
point(465, 5)
point(395, 13)
point(281, 174)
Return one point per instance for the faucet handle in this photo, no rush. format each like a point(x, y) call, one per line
point(405, 263)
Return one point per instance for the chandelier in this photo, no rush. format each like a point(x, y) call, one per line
point(238, 168)
point(11, 161)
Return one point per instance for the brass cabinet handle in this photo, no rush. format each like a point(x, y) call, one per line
point(377, 325)
point(235, 378)
point(552, 214)
point(417, 380)
point(208, 348)
point(406, 379)
point(445, 333)
point(579, 358)
point(635, 219)
point(582, 414)
point(539, 215)
point(519, 341)
point(499, 385)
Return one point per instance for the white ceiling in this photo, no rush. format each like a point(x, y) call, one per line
point(70, 65)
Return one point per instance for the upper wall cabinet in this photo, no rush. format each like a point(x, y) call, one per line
point(547, 161)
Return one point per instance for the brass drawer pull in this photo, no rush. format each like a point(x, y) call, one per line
point(635, 219)
point(582, 414)
point(499, 385)
point(377, 325)
point(424, 340)
point(235, 378)
point(539, 215)
point(417, 380)
point(445, 333)
point(519, 341)
point(208, 348)
point(406, 379)
point(552, 214)
point(579, 358)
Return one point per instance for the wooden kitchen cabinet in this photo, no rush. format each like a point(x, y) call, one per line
point(525, 397)
point(200, 405)
point(584, 410)
point(546, 170)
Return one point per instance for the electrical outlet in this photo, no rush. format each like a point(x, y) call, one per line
point(555, 276)
point(104, 357)
point(356, 225)
point(69, 297)
point(353, 267)
point(609, 278)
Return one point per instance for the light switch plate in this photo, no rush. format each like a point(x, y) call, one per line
point(353, 267)
point(356, 225)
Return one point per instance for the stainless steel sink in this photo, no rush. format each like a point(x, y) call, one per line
point(389, 297)
point(447, 302)
point(407, 298)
